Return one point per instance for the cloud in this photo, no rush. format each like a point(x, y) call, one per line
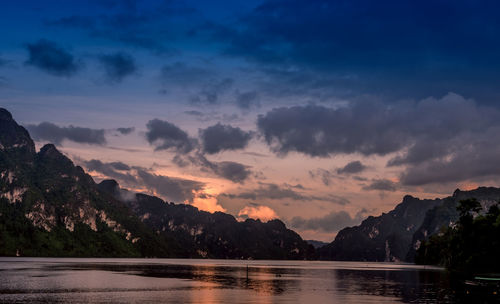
point(444, 133)
point(167, 136)
point(352, 168)
point(316, 38)
point(209, 204)
point(272, 191)
point(475, 158)
point(325, 175)
point(247, 100)
point(114, 170)
point(332, 222)
point(260, 212)
point(125, 131)
point(219, 137)
point(175, 189)
point(233, 171)
point(51, 58)
point(151, 25)
point(117, 66)
point(382, 185)
point(50, 132)
point(366, 128)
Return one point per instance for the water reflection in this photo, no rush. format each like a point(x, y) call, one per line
point(215, 281)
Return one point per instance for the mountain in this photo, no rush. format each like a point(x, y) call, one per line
point(383, 238)
point(316, 244)
point(446, 214)
point(394, 236)
point(50, 207)
point(212, 235)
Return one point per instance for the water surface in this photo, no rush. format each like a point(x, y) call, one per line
point(59, 280)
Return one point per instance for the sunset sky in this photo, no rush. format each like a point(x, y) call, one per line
point(318, 113)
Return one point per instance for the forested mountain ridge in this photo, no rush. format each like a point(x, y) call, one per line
point(396, 235)
point(50, 207)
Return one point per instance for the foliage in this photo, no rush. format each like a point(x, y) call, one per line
point(472, 245)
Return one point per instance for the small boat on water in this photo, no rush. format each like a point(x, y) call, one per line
point(484, 284)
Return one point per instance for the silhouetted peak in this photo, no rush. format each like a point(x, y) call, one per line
point(49, 150)
point(14, 136)
point(456, 192)
point(109, 183)
point(110, 186)
point(5, 115)
point(407, 198)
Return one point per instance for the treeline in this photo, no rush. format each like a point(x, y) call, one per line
point(470, 246)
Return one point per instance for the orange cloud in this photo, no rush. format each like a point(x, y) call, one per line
point(262, 213)
point(207, 203)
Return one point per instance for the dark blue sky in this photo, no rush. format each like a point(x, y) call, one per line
point(234, 105)
point(391, 49)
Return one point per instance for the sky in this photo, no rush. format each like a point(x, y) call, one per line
point(319, 113)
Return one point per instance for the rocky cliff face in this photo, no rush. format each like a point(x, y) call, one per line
point(50, 207)
point(395, 236)
point(383, 238)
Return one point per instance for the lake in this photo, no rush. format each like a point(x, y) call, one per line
point(61, 280)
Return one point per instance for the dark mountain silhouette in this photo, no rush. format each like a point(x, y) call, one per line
point(394, 236)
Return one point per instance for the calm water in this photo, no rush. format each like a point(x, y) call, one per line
point(44, 280)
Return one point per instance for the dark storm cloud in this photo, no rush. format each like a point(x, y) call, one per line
point(117, 66)
point(331, 222)
point(314, 130)
point(247, 100)
point(382, 185)
point(352, 168)
point(437, 46)
point(446, 133)
point(276, 192)
point(167, 136)
point(48, 56)
point(125, 131)
point(174, 189)
point(47, 131)
point(472, 159)
point(221, 137)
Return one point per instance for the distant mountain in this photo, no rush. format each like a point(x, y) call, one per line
point(316, 244)
point(394, 236)
point(50, 207)
point(213, 235)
